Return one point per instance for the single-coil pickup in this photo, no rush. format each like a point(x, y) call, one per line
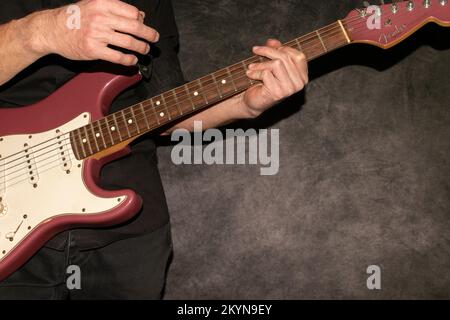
point(2, 178)
point(30, 165)
point(63, 151)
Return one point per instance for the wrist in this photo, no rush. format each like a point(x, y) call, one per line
point(38, 32)
point(242, 110)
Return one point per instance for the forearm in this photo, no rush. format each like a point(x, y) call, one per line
point(221, 114)
point(18, 40)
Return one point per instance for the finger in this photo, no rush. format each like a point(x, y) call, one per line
point(123, 9)
point(298, 59)
point(128, 42)
point(278, 54)
point(115, 56)
point(273, 43)
point(133, 27)
point(270, 83)
point(278, 68)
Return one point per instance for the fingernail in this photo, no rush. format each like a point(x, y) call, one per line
point(251, 65)
point(142, 14)
point(148, 49)
point(135, 60)
point(157, 37)
point(256, 47)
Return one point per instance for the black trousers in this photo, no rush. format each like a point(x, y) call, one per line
point(133, 268)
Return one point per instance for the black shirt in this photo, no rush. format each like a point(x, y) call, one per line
point(138, 171)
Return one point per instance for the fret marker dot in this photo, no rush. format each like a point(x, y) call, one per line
point(97, 135)
point(158, 103)
point(224, 81)
point(130, 121)
point(113, 128)
point(161, 114)
point(195, 93)
point(84, 140)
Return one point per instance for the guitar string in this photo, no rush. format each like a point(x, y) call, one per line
point(55, 154)
point(347, 20)
point(311, 35)
point(240, 76)
point(176, 99)
point(167, 106)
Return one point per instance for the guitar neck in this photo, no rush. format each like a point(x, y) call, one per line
point(127, 124)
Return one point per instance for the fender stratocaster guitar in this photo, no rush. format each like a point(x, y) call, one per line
point(51, 153)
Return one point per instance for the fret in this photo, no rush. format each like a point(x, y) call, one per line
point(216, 83)
point(174, 93)
point(93, 136)
point(245, 70)
point(108, 128)
point(231, 77)
point(81, 143)
point(202, 91)
point(321, 41)
point(136, 124)
point(116, 128)
point(87, 140)
point(159, 110)
point(188, 94)
point(212, 93)
point(125, 123)
point(101, 131)
point(145, 115)
point(193, 92)
point(298, 44)
point(75, 145)
point(152, 106)
point(165, 106)
point(344, 31)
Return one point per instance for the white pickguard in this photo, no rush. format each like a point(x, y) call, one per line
point(40, 178)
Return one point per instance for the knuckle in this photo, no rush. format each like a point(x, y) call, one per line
point(98, 4)
point(134, 12)
point(135, 25)
point(277, 63)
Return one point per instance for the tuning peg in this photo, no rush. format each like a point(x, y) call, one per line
point(410, 6)
point(443, 2)
point(394, 7)
point(366, 4)
point(427, 3)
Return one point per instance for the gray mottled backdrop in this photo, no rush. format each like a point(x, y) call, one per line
point(364, 168)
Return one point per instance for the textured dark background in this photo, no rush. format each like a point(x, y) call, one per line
point(364, 168)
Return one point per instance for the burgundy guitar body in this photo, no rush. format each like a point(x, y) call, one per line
point(90, 93)
point(51, 153)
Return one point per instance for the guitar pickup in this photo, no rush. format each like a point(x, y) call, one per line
point(64, 152)
point(30, 163)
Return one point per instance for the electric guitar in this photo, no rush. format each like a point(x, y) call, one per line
point(52, 152)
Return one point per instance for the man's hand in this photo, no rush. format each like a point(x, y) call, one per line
point(103, 23)
point(285, 74)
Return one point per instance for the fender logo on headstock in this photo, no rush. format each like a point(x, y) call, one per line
point(388, 36)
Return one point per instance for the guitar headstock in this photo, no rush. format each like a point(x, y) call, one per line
point(387, 24)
